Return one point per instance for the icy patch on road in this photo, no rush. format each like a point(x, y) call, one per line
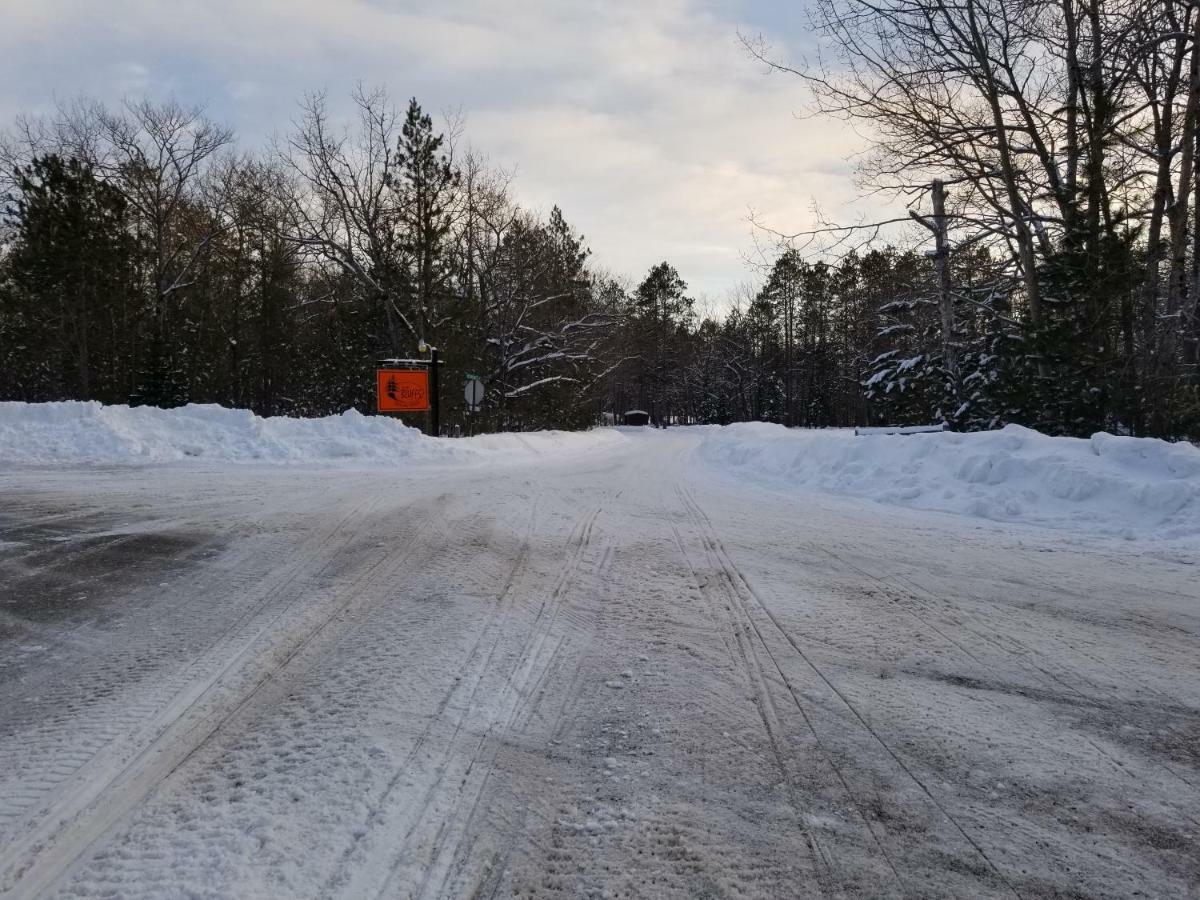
point(95, 434)
point(1129, 487)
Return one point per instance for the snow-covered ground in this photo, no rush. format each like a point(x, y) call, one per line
point(699, 663)
point(1132, 487)
point(94, 434)
point(1122, 486)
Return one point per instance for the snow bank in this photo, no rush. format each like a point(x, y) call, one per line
point(91, 433)
point(1112, 485)
point(1134, 487)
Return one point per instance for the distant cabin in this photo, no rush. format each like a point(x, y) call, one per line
point(637, 417)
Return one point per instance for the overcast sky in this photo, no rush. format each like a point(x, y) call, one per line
point(643, 119)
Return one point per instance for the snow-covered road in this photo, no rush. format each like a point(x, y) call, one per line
point(599, 673)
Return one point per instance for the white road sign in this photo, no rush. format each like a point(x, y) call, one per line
point(473, 393)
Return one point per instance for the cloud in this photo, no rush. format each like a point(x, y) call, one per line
point(645, 121)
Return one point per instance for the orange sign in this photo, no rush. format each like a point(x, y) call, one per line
point(401, 390)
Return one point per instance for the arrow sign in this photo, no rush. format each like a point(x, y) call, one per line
point(473, 393)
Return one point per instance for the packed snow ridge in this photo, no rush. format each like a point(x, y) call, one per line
point(91, 433)
point(1131, 487)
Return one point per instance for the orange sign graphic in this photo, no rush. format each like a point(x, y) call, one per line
point(401, 390)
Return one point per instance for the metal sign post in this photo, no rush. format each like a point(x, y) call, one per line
point(435, 406)
point(473, 393)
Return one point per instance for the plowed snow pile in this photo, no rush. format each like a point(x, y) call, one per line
point(1133, 487)
point(91, 433)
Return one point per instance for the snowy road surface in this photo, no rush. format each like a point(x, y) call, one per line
point(606, 673)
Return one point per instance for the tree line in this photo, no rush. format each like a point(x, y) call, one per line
point(147, 261)
point(1049, 276)
point(1049, 147)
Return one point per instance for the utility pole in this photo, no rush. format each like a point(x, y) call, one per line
point(941, 262)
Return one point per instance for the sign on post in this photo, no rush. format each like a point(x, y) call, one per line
point(473, 393)
point(401, 390)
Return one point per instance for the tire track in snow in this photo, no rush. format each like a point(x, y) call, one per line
point(118, 734)
point(491, 880)
point(745, 594)
point(924, 598)
point(469, 752)
point(48, 853)
point(488, 881)
point(1169, 701)
point(1044, 675)
point(477, 666)
point(541, 632)
point(748, 661)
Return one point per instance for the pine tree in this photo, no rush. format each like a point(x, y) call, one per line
point(426, 183)
point(661, 313)
point(72, 268)
point(783, 291)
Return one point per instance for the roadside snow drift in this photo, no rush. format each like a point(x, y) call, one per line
point(91, 433)
point(1133, 487)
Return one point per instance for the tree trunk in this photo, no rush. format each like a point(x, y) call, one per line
point(1177, 278)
